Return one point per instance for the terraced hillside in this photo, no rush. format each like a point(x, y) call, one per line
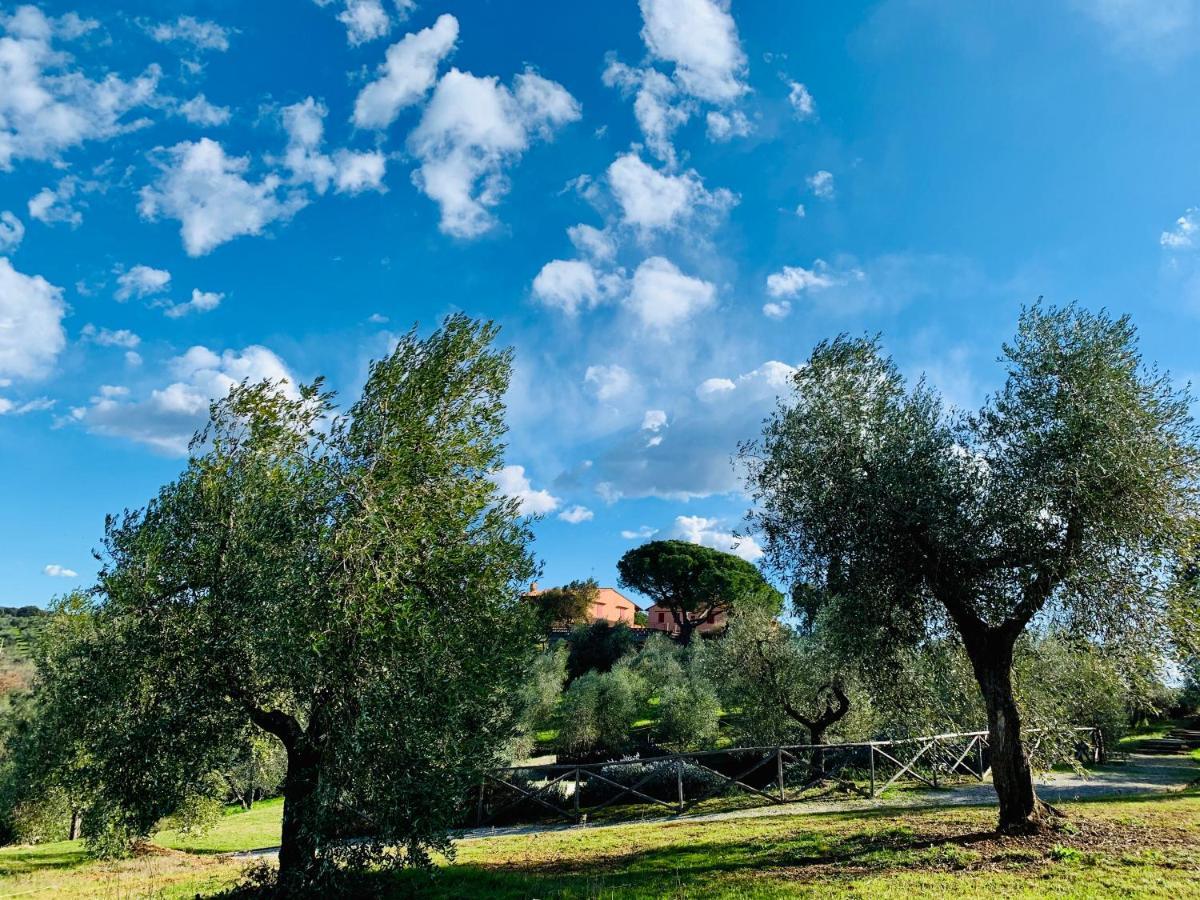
point(18, 628)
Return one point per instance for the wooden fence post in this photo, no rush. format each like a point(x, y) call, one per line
point(779, 770)
point(979, 744)
point(871, 748)
point(479, 805)
point(679, 780)
point(577, 793)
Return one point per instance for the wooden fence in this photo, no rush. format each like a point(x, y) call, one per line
point(679, 782)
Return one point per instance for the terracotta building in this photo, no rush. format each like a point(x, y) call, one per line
point(659, 618)
point(610, 605)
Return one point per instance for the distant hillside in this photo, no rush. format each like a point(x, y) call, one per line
point(18, 626)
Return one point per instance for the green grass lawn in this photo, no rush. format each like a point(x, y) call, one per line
point(1140, 847)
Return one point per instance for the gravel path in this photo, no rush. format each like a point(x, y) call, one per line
point(1140, 774)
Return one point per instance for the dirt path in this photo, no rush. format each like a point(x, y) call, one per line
point(1140, 774)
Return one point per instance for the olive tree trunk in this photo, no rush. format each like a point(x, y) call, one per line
point(1020, 809)
point(299, 845)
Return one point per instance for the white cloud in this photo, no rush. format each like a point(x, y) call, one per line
point(650, 199)
point(567, 284)
point(574, 515)
point(791, 281)
point(608, 381)
point(513, 482)
point(713, 387)
point(801, 212)
point(700, 38)
point(169, 416)
point(724, 126)
point(821, 184)
point(643, 533)
point(1157, 29)
point(208, 193)
point(365, 20)
point(201, 34)
point(12, 231)
point(142, 281)
point(708, 533)
point(801, 100)
point(54, 570)
point(31, 331)
point(1185, 232)
point(53, 205)
point(46, 106)
point(407, 74)
point(593, 242)
point(654, 420)
point(199, 111)
point(780, 309)
point(201, 302)
point(105, 337)
point(657, 106)
point(9, 408)
point(662, 297)
point(349, 172)
point(471, 130)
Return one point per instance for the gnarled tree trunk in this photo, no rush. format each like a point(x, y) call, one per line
point(299, 845)
point(1021, 811)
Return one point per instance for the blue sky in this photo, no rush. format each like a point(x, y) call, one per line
point(665, 204)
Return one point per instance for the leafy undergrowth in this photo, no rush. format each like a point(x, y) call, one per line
point(1147, 847)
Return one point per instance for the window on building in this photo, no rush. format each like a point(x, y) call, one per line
point(662, 617)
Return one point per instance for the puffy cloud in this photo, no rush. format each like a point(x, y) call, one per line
point(365, 20)
point(46, 106)
point(513, 482)
point(574, 515)
point(142, 281)
point(53, 205)
point(54, 570)
point(199, 111)
point(765, 382)
point(593, 242)
point(1185, 232)
point(106, 337)
point(821, 184)
point(471, 130)
point(650, 199)
point(201, 302)
point(724, 126)
point(713, 387)
point(167, 418)
point(662, 297)
point(200, 33)
point(657, 106)
point(347, 171)
point(791, 281)
point(12, 231)
point(407, 74)
point(207, 192)
point(700, 38)
point(608, 381)
point(708, 533)
point(568, 285)
point(801, 100)
point(654, 419)
point(31, 331)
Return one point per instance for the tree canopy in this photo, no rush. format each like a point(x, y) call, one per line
point(350, 584)
point(694, 582)
point(1066, 497)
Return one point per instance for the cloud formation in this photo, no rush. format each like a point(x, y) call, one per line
point(31, 330)
point(408, 72)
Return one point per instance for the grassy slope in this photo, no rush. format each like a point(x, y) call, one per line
point(1144, 848)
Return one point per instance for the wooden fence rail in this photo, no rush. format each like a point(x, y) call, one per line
point(770, 775)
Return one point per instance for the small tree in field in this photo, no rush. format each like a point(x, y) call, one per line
point(1066, 496)
point(350, 585)
point(694, 582)
point(566, 606)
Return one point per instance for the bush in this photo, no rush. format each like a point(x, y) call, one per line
point(597, 647)
point(598, 712)
point(689, 714)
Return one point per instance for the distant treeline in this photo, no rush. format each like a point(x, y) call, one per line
point(22, 612)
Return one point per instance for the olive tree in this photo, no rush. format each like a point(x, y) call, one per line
point(349, 584)
point(694, 583)
point(1065, 497)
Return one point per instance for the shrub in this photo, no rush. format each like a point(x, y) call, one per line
point(597, 647)
point(598, 711)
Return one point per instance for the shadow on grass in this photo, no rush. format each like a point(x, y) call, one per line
point(24, 860)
